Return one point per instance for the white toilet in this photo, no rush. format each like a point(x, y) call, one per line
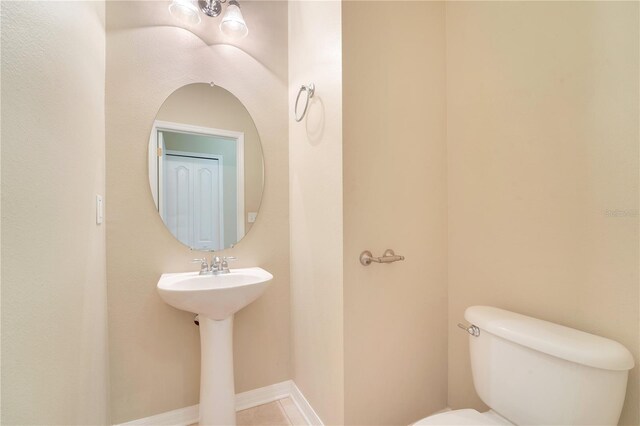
point(534, 372)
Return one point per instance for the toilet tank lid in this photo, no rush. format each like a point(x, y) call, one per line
point(553, 339)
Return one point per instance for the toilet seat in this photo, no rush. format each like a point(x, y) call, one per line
point(463, 417)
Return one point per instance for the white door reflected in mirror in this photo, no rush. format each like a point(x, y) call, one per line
point(205, 167)
point(192, 202)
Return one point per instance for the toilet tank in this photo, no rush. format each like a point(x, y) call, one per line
point(534, 372)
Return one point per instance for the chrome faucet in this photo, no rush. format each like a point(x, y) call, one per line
point(220, 265)
point(217, 266)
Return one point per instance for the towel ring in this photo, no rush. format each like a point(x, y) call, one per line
point(310, 89)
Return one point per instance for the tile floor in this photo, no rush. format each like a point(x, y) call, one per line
point(278, 413)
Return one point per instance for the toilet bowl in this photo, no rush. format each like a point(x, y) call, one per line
point(463, 417)
point(534, 372)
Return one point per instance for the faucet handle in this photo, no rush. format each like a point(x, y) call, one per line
point(225, 262)
point(204, 266)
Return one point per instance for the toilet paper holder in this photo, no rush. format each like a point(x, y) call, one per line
point(389, 256)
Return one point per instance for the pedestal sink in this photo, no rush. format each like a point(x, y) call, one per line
point(215, 298)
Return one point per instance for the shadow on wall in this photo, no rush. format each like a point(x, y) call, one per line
point(262, 43)
point(314, 120)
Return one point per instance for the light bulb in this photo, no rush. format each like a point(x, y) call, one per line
point(185, 11)
point(232, 24)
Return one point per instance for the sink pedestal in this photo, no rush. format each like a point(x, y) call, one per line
point(217, 392)
point(215, 296)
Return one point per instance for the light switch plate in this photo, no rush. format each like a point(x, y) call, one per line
point(251, 217)
point(99, 210)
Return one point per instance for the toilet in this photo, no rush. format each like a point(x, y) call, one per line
point(534, 372)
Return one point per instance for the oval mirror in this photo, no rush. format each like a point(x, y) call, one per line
point(205, 167)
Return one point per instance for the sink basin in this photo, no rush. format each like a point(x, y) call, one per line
point(214, 296)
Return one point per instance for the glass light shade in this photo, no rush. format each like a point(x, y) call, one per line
point(186, 11)
point(233, 25)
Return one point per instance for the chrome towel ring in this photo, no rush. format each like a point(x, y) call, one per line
point(310, 89)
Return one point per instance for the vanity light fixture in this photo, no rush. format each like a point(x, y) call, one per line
point(185, 11)
point(232, 25)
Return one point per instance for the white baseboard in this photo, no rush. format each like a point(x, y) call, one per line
point(180, 417)
point(264, 395)
point(190, 415)
point(303, 405)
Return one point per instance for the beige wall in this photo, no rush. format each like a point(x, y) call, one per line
point(395, 315)
point(214, 107)
point(154, 348)
point(542, 132)
point(315, 185)
point(541, 146)
point(54, 319)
